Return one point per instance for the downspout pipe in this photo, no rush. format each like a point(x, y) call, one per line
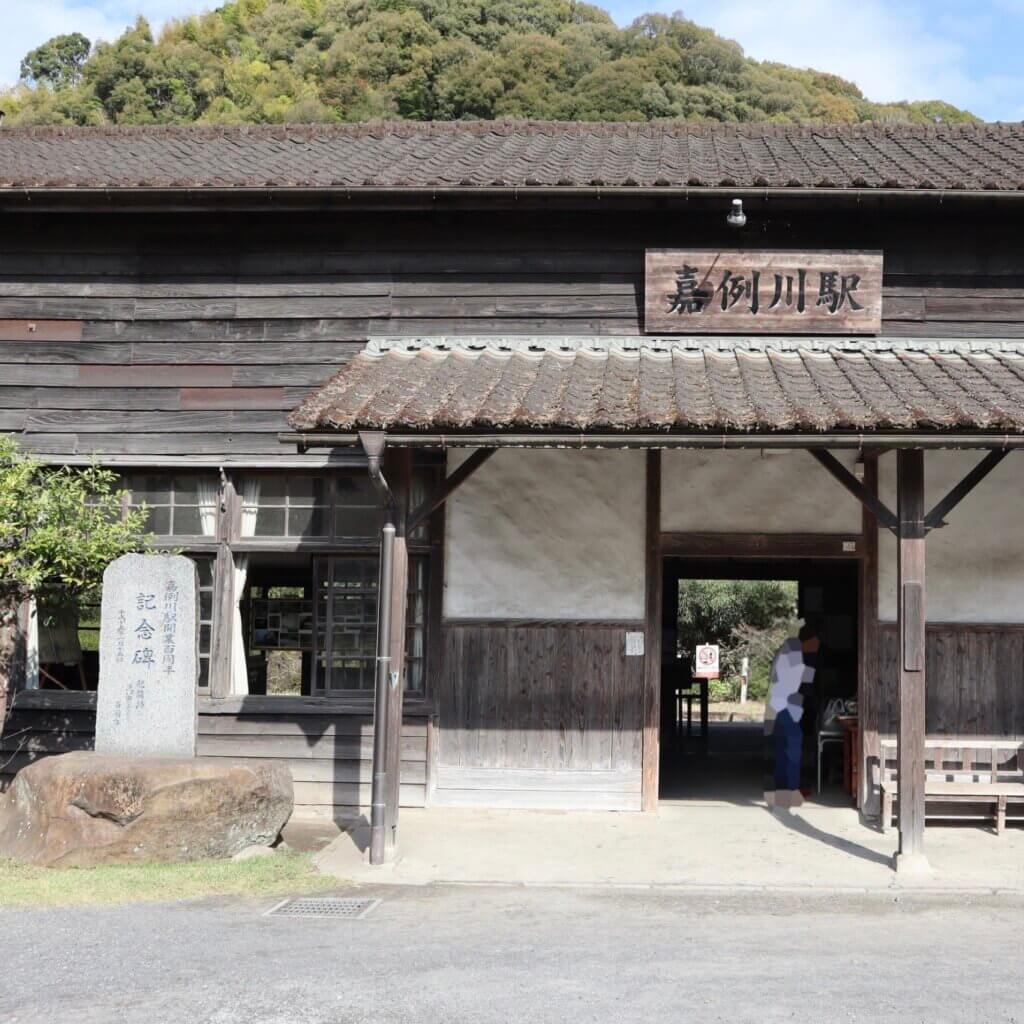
point(373, 445)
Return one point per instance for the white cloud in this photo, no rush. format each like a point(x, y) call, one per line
point(27, 23)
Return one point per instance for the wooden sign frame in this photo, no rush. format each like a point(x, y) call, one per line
point(767, 291)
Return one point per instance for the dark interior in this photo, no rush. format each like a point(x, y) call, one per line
point(728, 763)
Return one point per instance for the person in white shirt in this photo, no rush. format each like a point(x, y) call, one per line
point(792, 668)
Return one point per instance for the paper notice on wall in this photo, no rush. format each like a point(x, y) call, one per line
point(706, 662)
point(634, 645)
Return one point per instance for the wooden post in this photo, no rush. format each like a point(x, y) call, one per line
point(911, 626)
point(222, 640)
point(398, 470)
point(652, 645)
point(869, 695)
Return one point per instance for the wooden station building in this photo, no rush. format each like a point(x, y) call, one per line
point(545, 355)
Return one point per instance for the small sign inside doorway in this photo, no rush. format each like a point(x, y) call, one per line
point(634, 645)
point(706, 662)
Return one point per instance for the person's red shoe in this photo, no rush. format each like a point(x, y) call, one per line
point(806, 794)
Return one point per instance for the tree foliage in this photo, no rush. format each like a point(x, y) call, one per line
point(58, 62)
point(746, 618)
point(59, 529)
point(352, 60)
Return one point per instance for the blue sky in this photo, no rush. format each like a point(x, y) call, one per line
point(961, 51)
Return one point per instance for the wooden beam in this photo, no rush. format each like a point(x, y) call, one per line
point(398, 471)
point(911, 625)
point(869, 687)
point(652, 645)
point(455, 479)
point(936, 516)
point(760, 545)
point(846, 479)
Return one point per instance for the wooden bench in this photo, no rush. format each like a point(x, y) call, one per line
point(969, 771)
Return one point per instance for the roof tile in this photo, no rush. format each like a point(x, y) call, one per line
point(519, 154)
point(653, 385)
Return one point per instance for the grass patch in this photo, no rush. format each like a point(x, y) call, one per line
point(283, 874)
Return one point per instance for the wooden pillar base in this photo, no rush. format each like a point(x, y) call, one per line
point(911, 864)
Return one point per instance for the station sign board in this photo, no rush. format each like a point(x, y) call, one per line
point(721, 291)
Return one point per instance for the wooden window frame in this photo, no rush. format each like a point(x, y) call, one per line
point(227, 537)
point(322, 672)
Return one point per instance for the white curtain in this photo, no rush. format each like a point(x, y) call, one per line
point(208, 497)
point(239, 670)
point(31, 645)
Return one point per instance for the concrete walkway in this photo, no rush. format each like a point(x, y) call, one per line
point(687, 844)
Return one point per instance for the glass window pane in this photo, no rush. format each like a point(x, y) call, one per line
point(414, 677)
point(187, 521)
point(270, 522)
point(273, 490)
point(357, 521)
point(346, 676)
point(205, 566)
point(204, 673)
point(307, 522)
point(186, 490)
point(158, 520)
point(356, 490)
point(307, 490)
point(153, 490)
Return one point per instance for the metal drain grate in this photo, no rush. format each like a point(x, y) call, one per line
point(323, 906)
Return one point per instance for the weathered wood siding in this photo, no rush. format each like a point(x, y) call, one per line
point(974, 680)
point(329, 755)
point(544, 714)
point(194, 334)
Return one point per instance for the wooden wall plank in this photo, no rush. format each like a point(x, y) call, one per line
point(560, 699)
point(232, 301)
point(155, 376)
point(40, 330)
point(975, 679)
point(232, 398)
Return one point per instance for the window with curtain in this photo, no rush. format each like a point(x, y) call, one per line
point(182, 505)
point(205, 563)
point(289, 506)
point(329, 520)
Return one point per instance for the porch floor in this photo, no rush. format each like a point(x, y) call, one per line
point(686, 843)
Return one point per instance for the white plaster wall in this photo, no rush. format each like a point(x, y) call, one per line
point(751, 492)
point(975, 565)
point(547, 534)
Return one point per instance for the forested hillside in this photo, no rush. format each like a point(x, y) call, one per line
point(358, 60)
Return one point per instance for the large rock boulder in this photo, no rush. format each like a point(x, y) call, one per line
point(83, 809)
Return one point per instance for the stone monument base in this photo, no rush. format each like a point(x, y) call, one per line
point(83, 809)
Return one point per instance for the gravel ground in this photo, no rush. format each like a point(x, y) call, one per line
point(483, 955)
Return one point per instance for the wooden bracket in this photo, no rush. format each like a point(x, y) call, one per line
point(843, 476)
point(938, 514)
point(448, 486)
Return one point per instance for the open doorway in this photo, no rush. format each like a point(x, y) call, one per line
point(712, 741)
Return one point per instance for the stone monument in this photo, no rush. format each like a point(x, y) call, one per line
point(143, 795)
point(146, 703)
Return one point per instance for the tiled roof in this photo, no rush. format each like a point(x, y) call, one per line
point(662, 384)
point(517, 154)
